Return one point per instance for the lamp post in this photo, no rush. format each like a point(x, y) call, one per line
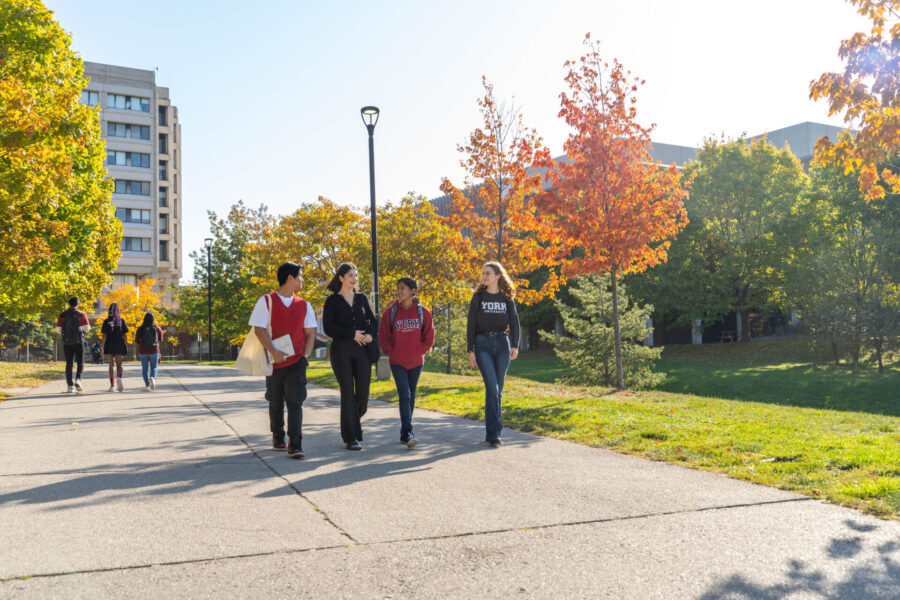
point(208, 243)
point(369, 116)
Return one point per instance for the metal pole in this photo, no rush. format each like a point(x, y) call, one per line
point(371, 129)
point(209, 301)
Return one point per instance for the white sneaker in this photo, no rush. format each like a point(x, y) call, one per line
point(112, 388)
point(153, 383)
point(70, 389)
point(412, 442)
point(119, 384)
point(78, 386)
point(147, 388)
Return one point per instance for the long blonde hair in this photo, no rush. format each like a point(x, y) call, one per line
point(507, 287)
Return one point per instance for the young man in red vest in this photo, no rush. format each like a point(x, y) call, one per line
point(293, 316)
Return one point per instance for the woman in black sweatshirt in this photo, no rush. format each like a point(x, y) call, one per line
point(349, 322)
point(492, 338)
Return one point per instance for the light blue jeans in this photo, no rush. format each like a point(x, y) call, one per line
point(148, 366)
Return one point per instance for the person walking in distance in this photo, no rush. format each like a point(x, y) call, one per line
point(295, 318)
point(406, 334)
point(72, 324)
point(492, 338)
point(349, 322)
point(149, 336)
point(115, 348)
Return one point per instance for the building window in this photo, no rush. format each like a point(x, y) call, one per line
point(162, 170)
point(163, 250)
point(163, 197)
point(163, 144)
point(133, 244)
point(164, 223)
point(162, 116)
point(134, 188)
point(126, 130)
point(133, 103)
point(120, 280)
point(133, 215)
point(127, 159)
point(90, 98)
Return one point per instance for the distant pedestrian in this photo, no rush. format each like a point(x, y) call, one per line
point(149, 337)
point(72, 324)
point(295, 318)
point(492, 338)
point(349, 322)
point(115, 348)
point(406, 334)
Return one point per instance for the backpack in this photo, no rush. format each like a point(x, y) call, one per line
point(395, 307)
point(148, 338)
point(71, 331)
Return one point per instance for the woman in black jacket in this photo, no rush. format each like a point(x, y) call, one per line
point(349, 322)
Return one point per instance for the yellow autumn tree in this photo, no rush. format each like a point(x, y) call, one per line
point(134, 302)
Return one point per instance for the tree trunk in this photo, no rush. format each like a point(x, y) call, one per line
point(449, 338)
point(837, 356)
point(620, 379)
point(745, 325)
point(878, 343)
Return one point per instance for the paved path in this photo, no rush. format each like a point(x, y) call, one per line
point(177, 493)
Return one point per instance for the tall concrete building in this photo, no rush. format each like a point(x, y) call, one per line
point(143, 144)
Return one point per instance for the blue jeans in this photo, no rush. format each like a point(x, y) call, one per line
point(492, 357)
point(406, 381)
point(148, 363)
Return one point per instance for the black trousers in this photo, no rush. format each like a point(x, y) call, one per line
point(287, 386)
point(353, 372)
point(73, 352)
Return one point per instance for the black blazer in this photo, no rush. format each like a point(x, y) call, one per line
point(341, 321)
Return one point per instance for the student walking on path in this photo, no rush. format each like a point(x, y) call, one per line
point(492, 338)
point(349, 322)
point(115, 348)
point(149, 336)
point(406, 334)
point(72, 324)
point(295, 318)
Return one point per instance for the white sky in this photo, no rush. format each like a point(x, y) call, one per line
point(269, 92)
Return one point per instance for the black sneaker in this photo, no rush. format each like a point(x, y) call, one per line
point(495, 443)
point(354, 445)
point(295, 451)
point(278, 441)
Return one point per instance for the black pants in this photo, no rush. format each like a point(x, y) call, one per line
point(287, 386)
point(73, 352)
point(353, 372)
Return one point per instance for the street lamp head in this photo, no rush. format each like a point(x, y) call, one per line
point(207, 243)
point(370, 113)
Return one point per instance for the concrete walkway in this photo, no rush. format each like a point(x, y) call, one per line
point(177, 493)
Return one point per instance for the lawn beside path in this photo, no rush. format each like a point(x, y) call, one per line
point(849, 457)
point(19, 377)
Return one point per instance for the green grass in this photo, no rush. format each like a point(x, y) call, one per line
point(27, 375)
point(846, 456)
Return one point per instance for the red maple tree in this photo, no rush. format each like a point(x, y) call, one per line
point(611, 208)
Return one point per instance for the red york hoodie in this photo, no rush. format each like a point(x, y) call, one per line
point(407, 344)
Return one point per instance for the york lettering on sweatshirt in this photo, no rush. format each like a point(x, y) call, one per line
point(494, 308)
point(407, 324)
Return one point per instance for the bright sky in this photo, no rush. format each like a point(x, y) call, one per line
point(269, 93)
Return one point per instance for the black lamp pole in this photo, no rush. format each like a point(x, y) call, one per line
point(208, 243)
point(371, 112)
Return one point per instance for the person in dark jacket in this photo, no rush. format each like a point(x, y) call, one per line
point(72, 324)
point(492, 338)
point(406, 334)
point(149, 337)
point(348, 320)
point(114, 329)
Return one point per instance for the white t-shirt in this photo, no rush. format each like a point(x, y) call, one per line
point(260, 315)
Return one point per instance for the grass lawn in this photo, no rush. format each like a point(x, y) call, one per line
point(15, 376)
point(838, 439)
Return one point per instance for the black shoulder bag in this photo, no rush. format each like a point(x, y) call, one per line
point(373, 348)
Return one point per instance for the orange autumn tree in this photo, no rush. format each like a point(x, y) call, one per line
point(611, 208)
point(134, 303)
point(492, 206)
point(868, 93)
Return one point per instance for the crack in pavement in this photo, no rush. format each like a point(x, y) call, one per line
point(324, 515)
point(356, 544)
point(127, 469)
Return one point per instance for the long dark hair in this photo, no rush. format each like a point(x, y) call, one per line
point(334, 286)
point(507, 287)
point(115, 316)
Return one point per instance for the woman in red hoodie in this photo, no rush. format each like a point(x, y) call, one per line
point(406, 333)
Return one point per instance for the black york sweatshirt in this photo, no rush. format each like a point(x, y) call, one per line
point(492, 313)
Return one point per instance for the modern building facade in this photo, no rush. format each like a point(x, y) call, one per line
point(143, 149)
